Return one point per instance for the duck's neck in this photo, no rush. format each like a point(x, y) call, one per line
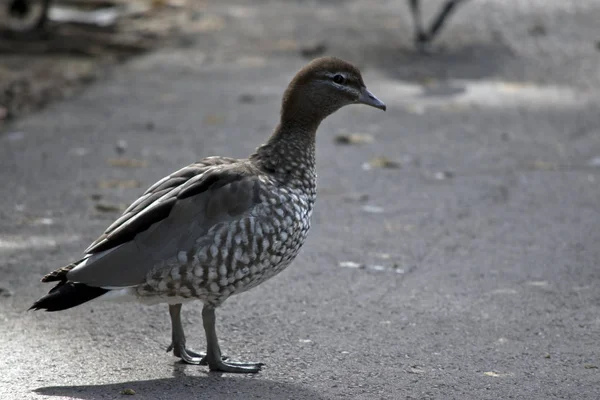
point(289, 154)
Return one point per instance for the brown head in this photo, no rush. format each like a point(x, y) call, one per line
point(322, 87)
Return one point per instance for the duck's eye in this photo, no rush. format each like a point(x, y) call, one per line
point(339, 79)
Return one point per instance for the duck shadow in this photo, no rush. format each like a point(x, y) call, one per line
point(183, 387)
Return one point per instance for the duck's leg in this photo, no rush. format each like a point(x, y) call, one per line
point(420, 36)
point(178, 338)
point(213, 351)
point(441, 18)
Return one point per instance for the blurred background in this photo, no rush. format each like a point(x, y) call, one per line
point(454, 250)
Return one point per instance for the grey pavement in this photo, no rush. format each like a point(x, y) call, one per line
point(477, 262)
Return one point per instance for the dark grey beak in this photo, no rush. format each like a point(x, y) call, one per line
point(369, 99)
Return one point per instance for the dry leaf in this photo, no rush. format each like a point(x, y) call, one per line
point(117, 183)
point(493, 374)
point(418, 109)
point(128, 392)
point(214, 119)
point(286, 45)
point(354, 138)
point(381, 162)
point(107, 207)
point(542, 165)
point(210, 23)
point(357, 197)
point(127, 162)
point(590, 366)
point(415, 369)
point(251, 61)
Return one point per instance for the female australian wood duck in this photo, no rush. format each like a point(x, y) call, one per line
point(220, 226)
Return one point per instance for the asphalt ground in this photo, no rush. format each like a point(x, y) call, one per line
point(453, 256)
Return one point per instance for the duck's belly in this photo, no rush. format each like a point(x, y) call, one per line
point(233, 256)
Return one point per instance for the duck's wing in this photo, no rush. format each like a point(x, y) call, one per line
point(156, 203)
point(169, 218)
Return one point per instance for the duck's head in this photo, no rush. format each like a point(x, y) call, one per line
point(322, 87)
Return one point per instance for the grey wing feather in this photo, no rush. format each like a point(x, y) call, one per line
point(154, 205)
point(218, 195)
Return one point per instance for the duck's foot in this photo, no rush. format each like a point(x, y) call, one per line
point(213, 351)
point(234, 366)
point(188, 356)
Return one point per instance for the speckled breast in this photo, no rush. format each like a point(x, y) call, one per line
point(236, 255)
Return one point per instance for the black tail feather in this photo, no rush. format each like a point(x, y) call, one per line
point(66, 295)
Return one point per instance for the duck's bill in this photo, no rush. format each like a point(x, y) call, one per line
point(370, 99)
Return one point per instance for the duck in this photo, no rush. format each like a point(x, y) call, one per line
point(220, 226)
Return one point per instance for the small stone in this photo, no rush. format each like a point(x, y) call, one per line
point(246, 98)
point(128, 392)
point(43, 221)
point(350, 264)
point(547, 355)
point(372, 209)
point(79, 151)
point(443, 175)
point(121, 147)
point(305, 341)
point(397, 269)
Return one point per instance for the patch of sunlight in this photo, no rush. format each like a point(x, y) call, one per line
point(460, 95)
